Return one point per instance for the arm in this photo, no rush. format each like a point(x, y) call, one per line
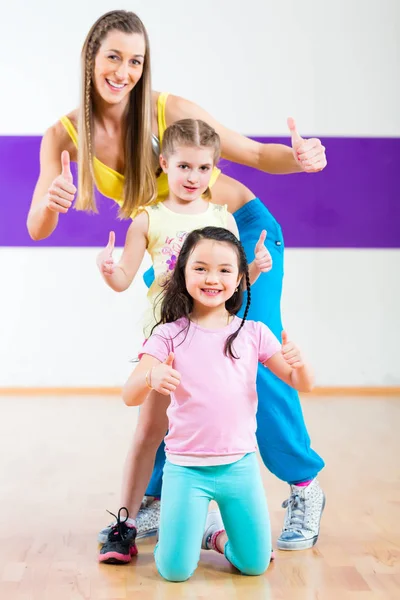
point(161, 376)
point(54, 191)
point(119, 277)
point(262, 262)
point(305, 155)
point(289, 366)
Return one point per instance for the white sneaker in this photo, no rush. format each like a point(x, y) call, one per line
point(148, 518)
point(213, 523)
point(302, 519)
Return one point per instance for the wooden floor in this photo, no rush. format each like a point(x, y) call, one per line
point(60, 468)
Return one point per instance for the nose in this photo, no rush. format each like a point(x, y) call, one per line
point(192, 176)
point(122, 71)
point(211, 278)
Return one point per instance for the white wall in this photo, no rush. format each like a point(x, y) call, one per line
point(62, 326)
point(333, 65)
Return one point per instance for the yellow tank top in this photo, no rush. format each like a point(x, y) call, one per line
point(111, 183)
point(166, 233)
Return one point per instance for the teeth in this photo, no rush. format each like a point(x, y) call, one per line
point(214, 292)
point(118, 86)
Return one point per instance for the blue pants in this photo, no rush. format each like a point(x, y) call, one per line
point(239, 492)
point(282, 436)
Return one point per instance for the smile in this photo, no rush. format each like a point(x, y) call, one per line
point(116, 86)
point(210, 292)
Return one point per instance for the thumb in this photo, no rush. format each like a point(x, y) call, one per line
point(65, 166)
point(111, 241)
point(296, 137)
point(169, 360)
point(285, 338)
point(261, 240)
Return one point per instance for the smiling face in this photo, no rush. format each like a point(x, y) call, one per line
point(212, 273)
point(189, 170)
point(118, 65)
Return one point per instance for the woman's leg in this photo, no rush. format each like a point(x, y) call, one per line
point(243, 505)
point(155, 483)
point(184, 505)
point(282, 435)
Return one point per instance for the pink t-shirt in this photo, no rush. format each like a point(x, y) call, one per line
point(213, 410)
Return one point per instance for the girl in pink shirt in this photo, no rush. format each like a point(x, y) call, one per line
point(206, 358)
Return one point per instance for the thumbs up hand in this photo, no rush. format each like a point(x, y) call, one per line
point(61, 192)
point(163, 378)
point(291, 353)
point(262, 257)
point(309, 154)
point(105, 260)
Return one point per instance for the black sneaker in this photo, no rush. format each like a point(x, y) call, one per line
point(120, 545)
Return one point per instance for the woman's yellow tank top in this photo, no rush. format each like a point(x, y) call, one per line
point(111, 183)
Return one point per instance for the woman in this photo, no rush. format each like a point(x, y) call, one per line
point(120, 123)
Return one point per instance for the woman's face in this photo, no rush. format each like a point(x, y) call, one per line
point(118, 65)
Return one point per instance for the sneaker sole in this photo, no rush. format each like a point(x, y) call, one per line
point(116, 558)
point(301, 544)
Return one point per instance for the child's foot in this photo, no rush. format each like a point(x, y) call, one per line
point(147, 520)
point(302, 519)
point(120, 545)
point(213, 525)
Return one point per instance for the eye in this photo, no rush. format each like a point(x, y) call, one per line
point(113, 57)
point(199, 269)
point(205, 168)
point(226, 271)
point(136, 62)
point(183, 166)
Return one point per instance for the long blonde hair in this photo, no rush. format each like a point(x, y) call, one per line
point(191, 132)
point(140, 183)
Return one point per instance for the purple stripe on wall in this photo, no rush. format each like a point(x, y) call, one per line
point(353, 203)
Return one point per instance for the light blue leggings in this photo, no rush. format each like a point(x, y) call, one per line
point(282, 435)
point(187, 491)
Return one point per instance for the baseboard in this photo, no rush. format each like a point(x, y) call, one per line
point(116, 391)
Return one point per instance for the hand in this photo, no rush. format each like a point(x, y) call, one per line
point(164, 378)
point(262, 257)
point(62, 191)
point(104, 260)
point(309, 154)
point(291, 353)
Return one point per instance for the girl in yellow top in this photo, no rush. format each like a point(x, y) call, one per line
point(190, 151)
point(120, 122)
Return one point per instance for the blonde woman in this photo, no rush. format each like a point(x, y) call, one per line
point(121, 122)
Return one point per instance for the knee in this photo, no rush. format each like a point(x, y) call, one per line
point(256, 566)
point(174, 574)
point(250, 563)
point(171, 570)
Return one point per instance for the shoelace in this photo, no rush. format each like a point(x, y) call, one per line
point(296, 506)
point(118, 527)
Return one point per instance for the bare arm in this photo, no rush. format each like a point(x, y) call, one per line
point(135, 390)
point(161, 376)
point(54, 191)
point(289, 366)
point(263, 261)
point(271, 158)
point(119, 277)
